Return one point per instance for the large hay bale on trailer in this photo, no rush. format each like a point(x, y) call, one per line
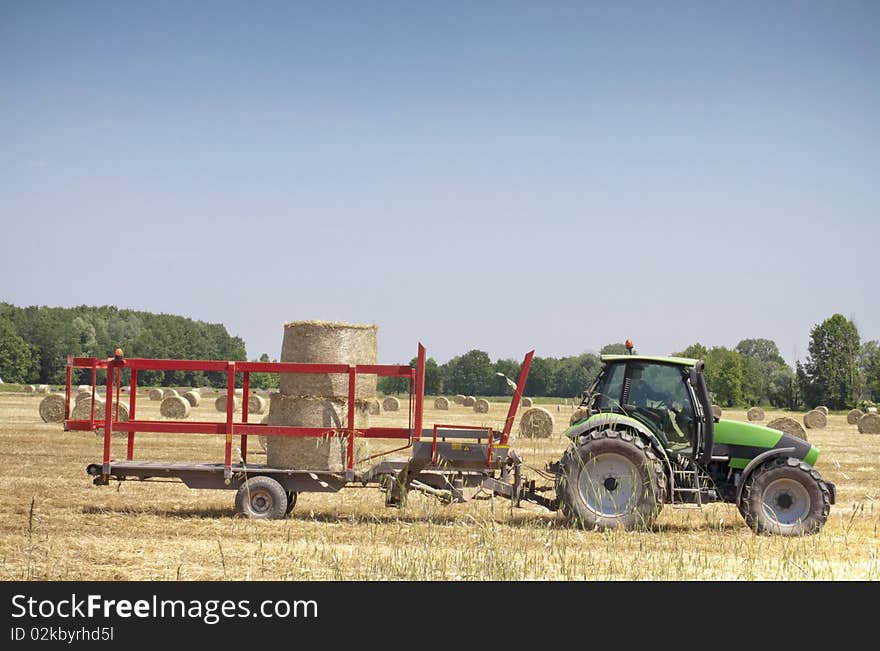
point(256, 404)
point(441, 403)
point(823, 409)
point(481, 406)
point(156, 394)
point(458, 399)
point(853, 416)
point(390, 404)
point(755, 414)
point(52, 408)
point(526, 402)
point(788, 426)
point(536, 423)
point(193, 397)
point(815, 419)
point(869, 424)
point(578, 414)
point(312, 453)
point(328, 342)
point(220, 403)
point(174, 407)
point(29, 388)
point(469, 401)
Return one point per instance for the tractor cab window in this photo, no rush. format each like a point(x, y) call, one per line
point(657, 393)
point(609, 387)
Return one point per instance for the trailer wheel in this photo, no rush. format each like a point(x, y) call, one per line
point(261, 498)
point(612, 480)
point(786, 497)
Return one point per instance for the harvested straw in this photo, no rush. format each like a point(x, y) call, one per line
point(169, 393)
point(312, 453)
point(174, 407)
point(390, 404)
point(716, 410)
point(536, 423)
point(815, 420)
point(52, 408)
point(324, 342)
point(481, 406)
point(156, 394)
point(869, 424)
point(469, 401)
point(823, 409)
point(441, 403)
point(755, 414)
point(220, 403)
point(194, 398)
point(788, 426)
point(374, 407)
point(256, 404)
point(526, 402)
point(458, 399)
point(579, 414)
point(853, 417)
point(29, 388)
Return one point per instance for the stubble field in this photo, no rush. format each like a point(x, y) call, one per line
point(56, 525)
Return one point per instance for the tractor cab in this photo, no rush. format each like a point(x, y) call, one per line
point(666, 394)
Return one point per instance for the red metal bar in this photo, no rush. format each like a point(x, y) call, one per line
point(132, 405)
point(352, 378)
point(245, 396)
point(94, 390)
point(420, 391)
point(118, 389)
point(214, 427)
point(67, 389)
point(230, 411)
point(517, 396)
point(108, 417)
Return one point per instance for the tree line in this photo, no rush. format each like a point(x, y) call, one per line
point(840, 372)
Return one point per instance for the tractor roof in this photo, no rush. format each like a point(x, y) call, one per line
point(680, 361)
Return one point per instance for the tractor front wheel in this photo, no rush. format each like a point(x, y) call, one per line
point(611, 480)
point(786, 497)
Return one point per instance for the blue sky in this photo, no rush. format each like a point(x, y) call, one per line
point(493, 175)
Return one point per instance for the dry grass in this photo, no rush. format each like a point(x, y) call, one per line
point(164, 531)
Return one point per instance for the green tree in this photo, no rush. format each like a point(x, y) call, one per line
point(694, 351)
point(869, 365)
point(15, 354)
point(510, 368)
point(831, 370)
point(542, 376)
point(764, 350)
point(781, 387)
point(470, 374)
point(724, 376)
point(615, 349)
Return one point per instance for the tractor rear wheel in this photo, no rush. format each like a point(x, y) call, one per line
point(786, 497)
point(261, 498)
point(611, 480)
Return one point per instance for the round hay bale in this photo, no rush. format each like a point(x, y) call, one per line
point(220, 403)
point(29, 388)
point(82, 409)
point(174, 407)
point(869, 424)
point(390, 404)
point(872, 410)
point(788, 426)
point(326, 342)
point(256, 404)
point(84, 387)
point(156, 394)
point(823, 409)
point(755, 414)
point(100, 405)
point(536, 423)
point(52, 408)
point(815, 419)
point(579, 414)
point(716, 410)
point(374, 407)
point(853, 416)
point(481, 406)
point(169, 393)
point(194, 398)
point(43, 388)
point(526, 402)
point(458, 399)
point(441, 403)
point(469, 401)
point(84, 397)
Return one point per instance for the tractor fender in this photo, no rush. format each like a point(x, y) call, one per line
point(754, 463)
point(604, 420)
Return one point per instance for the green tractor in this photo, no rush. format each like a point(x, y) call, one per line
point(649, 438)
